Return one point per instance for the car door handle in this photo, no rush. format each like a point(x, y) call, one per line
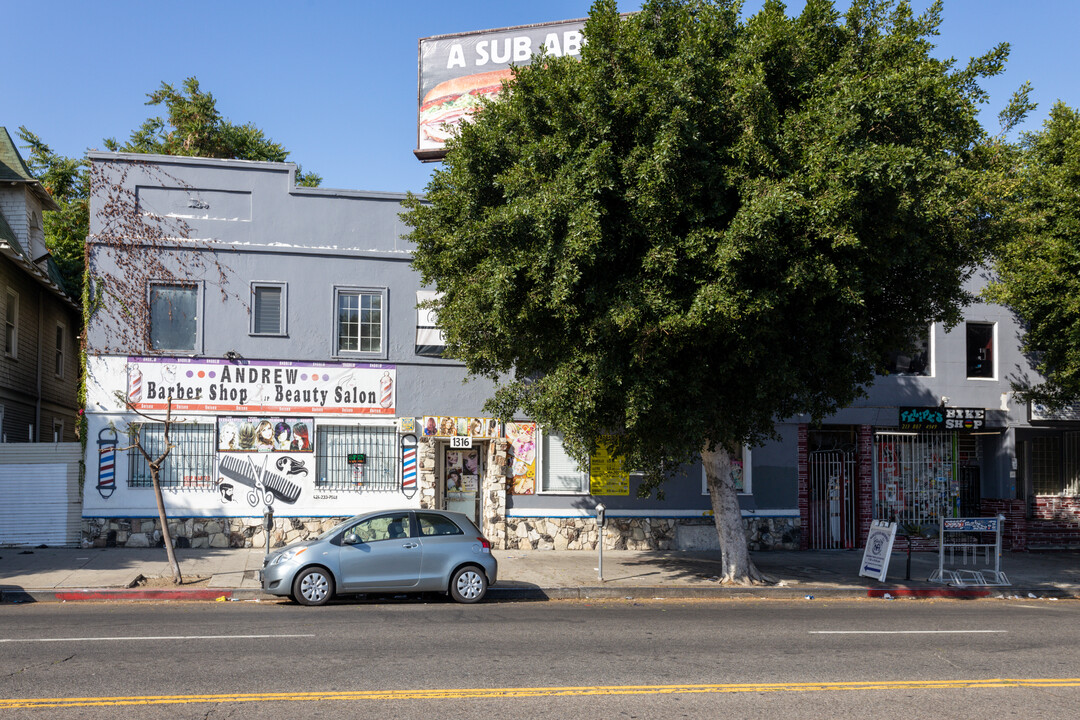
point(411, 545)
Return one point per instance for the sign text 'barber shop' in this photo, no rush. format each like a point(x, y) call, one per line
point(211, 385)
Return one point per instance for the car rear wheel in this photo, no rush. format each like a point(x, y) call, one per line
point(313, 586)
point(468, 584)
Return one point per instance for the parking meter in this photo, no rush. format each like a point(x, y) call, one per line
point(601, 521)
point(268, 523)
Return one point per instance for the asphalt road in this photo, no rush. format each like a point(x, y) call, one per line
point(408, 658)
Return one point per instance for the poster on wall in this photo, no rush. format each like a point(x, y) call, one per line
point(442, 426)
point(259, 386)
point(737, 478)
point(461, 469)
point(265, 434)
point(259, 481)
point(607, 474)
point(522, 437)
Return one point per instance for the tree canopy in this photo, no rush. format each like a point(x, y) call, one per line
point(193, 126)
point(708, 223)
point(1038, 266)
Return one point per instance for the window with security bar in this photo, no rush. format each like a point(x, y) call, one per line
point(916, 479)
point(356, 458)
point(1055, 464)
point(190, 463)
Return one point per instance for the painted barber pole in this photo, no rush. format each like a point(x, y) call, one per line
point(386, 390)
point(106, 484)
point(135, 379)
point(408, 465)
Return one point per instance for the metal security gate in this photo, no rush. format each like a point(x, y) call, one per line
point(916, 477)
point(832, 499)
point(40, 502)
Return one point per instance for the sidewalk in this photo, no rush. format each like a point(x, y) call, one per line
point(63, 574)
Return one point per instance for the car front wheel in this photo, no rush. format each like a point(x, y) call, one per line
point(468, 584)
point(313, 586)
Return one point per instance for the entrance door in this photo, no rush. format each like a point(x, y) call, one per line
point(462, 479)
point(832, 499)
point(970, 491)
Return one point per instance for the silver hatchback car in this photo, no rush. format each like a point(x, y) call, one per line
point(386, 551)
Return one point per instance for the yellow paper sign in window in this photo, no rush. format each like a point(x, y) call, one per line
point(607, 473)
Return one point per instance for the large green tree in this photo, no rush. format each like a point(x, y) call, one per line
point(1038, 265)
point(192, 126)
point(707, 224)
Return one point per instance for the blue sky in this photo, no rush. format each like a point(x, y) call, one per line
point(335, 81)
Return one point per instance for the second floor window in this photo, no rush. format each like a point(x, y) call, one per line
point(268, 309)
point(913, 358)
point(980, 350)
point(359, 322)
point(174, 317)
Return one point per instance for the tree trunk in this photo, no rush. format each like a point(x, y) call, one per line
point(734, 553)
point(166, 536)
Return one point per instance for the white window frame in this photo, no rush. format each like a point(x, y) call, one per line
point(541, 468)
point(60, 358)
point(748, 474)
point(197, 285)
point(58, 430)
point(11, 324)
point(384, 342)
point(996, 349)
point(283, 314)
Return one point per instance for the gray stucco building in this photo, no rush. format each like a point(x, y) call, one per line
point(280, 324)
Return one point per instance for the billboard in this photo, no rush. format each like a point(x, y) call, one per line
point(457, 71)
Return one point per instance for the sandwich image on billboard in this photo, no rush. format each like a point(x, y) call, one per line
point(458, 71)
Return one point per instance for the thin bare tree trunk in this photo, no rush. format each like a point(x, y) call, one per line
point(734, 553)
point(166, 536)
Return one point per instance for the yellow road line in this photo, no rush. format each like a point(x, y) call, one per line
point(479, 693)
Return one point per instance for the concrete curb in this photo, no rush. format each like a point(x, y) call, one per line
point(533, 593)
point(113, 594)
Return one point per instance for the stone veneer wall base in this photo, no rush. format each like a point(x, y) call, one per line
point(509, 534)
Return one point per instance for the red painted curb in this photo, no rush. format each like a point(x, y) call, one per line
point(943, 592)
point(137, 594)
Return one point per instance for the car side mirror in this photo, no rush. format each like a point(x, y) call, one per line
point(352, 538)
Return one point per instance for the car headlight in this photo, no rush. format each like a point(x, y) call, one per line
point(287, 555)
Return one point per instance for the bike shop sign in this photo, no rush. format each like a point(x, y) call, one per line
point(942, 418)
